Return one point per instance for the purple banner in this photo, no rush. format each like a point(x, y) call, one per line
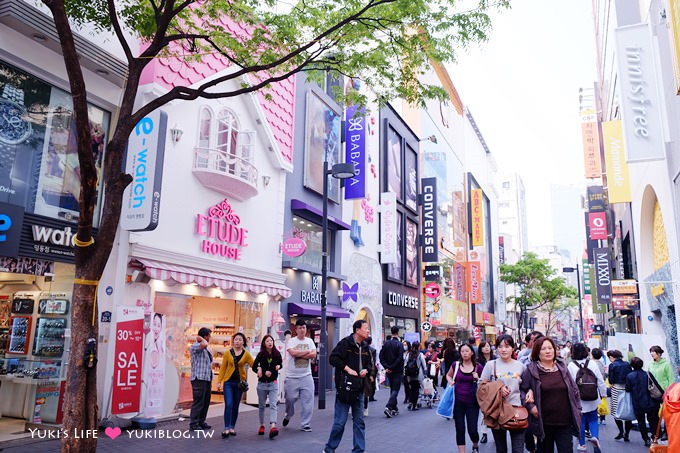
point(355, 152)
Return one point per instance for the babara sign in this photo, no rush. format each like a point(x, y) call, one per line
point(221, 228)
point(127, 366)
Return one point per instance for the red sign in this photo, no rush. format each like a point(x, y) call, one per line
point(475, 282)
point(127, 368)
point(432, 290)
point(477, 332)
point(597, 221)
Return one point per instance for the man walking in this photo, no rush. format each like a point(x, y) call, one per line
point(353, 363)
point(392, 359)
point(201, 380)
point(299, 383)
point(524, 355)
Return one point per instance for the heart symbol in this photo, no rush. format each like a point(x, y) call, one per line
point(112, 432)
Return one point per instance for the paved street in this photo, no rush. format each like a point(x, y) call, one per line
point(409, 431)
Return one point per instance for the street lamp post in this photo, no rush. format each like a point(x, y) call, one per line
point(338, 171)
point(580, 303)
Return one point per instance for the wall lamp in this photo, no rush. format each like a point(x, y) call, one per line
point(176, 134)
point(432, 138)
point(266, 179)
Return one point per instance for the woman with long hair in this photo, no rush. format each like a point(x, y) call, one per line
point(509, 371)
point(464, 375)
point(414, 382)
point(232, 372)
point(267, 364)
point(617, 371)
point(449, 355)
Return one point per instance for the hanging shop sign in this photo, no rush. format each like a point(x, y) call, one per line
point(225, 237)
point(127, 367)
point(628, 286)
point(144, 162)
point(50, 239)
point(596, 200)
point(388, 227)
point(585, 265)
point(475, 282)
point(625, 302)
point(603, 275)
point(591, 144)
point(430, 252)
point(402, 300)
point(618, 179)
point(477, 217)
point(432, 290)
point(294, 247)
point(355, 151)
point(432, 273)
point(597, 223)
point(11, 221)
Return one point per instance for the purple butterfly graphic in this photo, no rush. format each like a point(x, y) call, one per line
point(350, 292)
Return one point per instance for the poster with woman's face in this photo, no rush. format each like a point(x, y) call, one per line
point(322, 139)
point(154, 370)
point(411, 171)
point(394, 163)
point(394, 269)
point(411, 253)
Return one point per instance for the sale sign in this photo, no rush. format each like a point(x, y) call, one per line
point(127, 368)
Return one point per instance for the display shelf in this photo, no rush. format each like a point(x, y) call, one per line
point(49, 337)
point(19, 333)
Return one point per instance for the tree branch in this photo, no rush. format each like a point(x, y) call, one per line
point(119, 32)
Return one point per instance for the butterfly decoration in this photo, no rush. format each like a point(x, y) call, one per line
point(350, 292)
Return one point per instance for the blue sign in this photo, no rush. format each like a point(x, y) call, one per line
point(109, 290)
point(355, 151)
point(11, 222)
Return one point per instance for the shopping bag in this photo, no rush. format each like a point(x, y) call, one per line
point(428, 387)
point(445, 408)
point(624, 410)
point(603, 408)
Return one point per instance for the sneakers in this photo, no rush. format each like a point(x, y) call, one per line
point(581, 448)
point(307, 428)
point(260, 432)
point(595, 442)
point(387, 412)
point(285, 420)
point(366, 412)
point(273, 433)
point(483, 439)
point(395, 412)
point(409, 407)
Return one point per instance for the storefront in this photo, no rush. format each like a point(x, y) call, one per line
point(401, 308)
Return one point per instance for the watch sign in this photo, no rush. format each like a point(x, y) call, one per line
point(11, 222)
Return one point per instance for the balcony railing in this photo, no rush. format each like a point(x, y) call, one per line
point(225, 173)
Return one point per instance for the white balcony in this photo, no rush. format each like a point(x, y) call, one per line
point(225, 173)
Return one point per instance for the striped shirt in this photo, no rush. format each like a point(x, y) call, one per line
point(201, 363)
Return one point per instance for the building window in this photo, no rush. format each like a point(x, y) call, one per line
point(506, 184)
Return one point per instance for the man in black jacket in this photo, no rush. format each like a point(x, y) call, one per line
point(351, 359)
point(392, 359)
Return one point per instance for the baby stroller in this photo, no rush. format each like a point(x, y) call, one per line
point(428, 394)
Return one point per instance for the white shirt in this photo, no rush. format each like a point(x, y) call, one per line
point(296, 367)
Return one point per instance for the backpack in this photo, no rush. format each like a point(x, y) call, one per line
point(653, 387)
point(411, 369)
point(586, 381)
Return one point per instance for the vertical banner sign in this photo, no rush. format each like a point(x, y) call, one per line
point(355, 151)
point(603, 276)
point(475, 280)
point(388, 227)
point(501, 250)
point(477, 217)
point(586, 276)
point(459, 281)
point(596, 201)
point(618, 179)
point(144, 161)
point(591, 144)
point(127, 365)
point(154, 366)
point(429, 220)
point(597, 225)
point(640, 103)
point(591, 243)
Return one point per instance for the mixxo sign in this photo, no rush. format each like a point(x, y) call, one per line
point(603, 275)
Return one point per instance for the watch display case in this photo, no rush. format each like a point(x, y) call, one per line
point(19, 333)
point(49, 337)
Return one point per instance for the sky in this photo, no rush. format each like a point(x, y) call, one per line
point(522, 87)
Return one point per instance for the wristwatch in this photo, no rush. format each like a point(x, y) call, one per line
point(14, 125)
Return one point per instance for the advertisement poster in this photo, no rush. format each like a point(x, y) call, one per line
point(127, 368)
point(154, 366)
point(322, 139)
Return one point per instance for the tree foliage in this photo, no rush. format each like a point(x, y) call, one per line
point(387, 44)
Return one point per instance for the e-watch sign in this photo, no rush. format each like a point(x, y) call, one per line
point(144, 161)
point(11, 222)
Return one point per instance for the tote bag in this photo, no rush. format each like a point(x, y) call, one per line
point(445, 408)
point(624, 410)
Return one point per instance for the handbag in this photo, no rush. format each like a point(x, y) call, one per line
point(243, 386)
point(350, 388)
point(655, 447)
point(519, 420)
point(445, 407)
point(624, 409)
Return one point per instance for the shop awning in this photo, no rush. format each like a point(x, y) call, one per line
point(315, 215)
point(332, 311)
point(183, 274)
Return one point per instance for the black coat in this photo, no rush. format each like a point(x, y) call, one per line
point(636, 384)
point(392, 356)
point(347, 353)
point(617, 372)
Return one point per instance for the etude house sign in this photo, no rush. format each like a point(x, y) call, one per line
point(222, 232)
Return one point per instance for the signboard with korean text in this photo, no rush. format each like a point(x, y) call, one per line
point(628, 286)
point(591, 144)
point(585, 265)
point(127, 365)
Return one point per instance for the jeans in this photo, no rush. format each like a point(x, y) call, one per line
point(413, 391)
point(301, 388)
point(271, 390)
point(589, 419)
point(560, 436)
point(394, 380)
point(339, 421)
point(463, 412)
point(200, 391)
point(501, 439)
point(652, 416)
point(232, 400)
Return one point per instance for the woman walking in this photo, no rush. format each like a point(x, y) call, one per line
point(589, 417)
point(448, 356)
point(556, 409)
point(660, 368)
point(465, 374)
point(643, 404)
point(484, 355)
point(509, 371)
point(617, 371)
point(414, 358)
point(407, 351)
point(267, 364)
point(232, 372)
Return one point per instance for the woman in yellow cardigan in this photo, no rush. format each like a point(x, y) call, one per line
point(232, 371)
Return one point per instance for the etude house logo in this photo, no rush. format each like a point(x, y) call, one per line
point(224, 235)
